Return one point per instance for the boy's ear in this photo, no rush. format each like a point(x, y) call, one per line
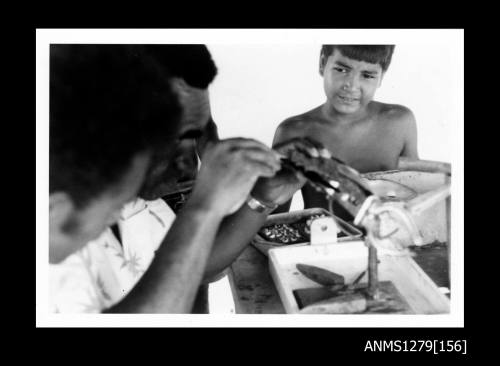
point(380, 80)
point(322, 62)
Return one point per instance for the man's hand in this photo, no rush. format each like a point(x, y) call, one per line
point(280, 188)
point(229, 170)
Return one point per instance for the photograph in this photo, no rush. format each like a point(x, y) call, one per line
point(250, 177)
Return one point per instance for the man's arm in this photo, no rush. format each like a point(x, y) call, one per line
point(234, 235)
point(283, 133)
point(285, 207)
point(229, 172)
point(237, 231)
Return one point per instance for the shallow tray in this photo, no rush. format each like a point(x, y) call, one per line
point(346, 232)
point(349, 259)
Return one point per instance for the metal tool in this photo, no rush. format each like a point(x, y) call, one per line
point(313, 177)
point(320, 275)
point(328, 278)
point(339, 182)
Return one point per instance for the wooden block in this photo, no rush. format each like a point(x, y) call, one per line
point(308, 296)
point(344, 304)
point(389, 301)
point(324, 300)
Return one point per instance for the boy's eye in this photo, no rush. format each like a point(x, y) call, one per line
point(340, 69)
point(369, 76)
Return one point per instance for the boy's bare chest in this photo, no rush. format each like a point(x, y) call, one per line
point(365, 148)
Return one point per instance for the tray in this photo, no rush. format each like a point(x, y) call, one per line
point(346, 232)
point(349, 259)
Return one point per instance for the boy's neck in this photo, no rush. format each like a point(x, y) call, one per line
point(333, 115)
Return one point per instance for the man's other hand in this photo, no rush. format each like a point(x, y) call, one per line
point(229, 171)
point(281, 188)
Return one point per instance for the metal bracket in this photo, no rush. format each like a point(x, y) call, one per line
point(324, 231)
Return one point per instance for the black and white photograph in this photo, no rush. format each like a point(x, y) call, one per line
point(250, 177)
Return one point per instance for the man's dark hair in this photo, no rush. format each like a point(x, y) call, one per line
point(191, 62)
point(375, 54)
point(108, 103)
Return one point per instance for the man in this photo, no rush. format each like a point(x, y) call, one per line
point(91, 177)
point(219, 210)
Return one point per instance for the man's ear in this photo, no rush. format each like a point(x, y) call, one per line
point(179, 85)
point(61, 208)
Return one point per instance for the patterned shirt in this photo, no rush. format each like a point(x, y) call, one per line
point(104, 271)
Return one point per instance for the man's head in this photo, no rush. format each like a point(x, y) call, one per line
point(192, 70)
point(110, 107)
point(352, 74)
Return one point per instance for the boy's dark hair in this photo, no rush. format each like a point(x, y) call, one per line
point(375, 54)
point(107, 104)
point(191, 62)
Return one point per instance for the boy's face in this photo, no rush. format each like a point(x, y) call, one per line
point(72, 228)
point(349, 84)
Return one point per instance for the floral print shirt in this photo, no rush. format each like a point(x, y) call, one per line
point(104, 271)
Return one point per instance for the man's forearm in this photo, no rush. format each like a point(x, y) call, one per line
point(171, 282)
point(235, 233)
point(285, 207)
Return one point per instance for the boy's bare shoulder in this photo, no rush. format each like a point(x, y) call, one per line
point(295, 126)
point(394, 113)
point(299, 120)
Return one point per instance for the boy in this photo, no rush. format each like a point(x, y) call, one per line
point(366, 134)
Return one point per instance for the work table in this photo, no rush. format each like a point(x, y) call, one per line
point(253, 288)
point(254, 291)
point(252, 285)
